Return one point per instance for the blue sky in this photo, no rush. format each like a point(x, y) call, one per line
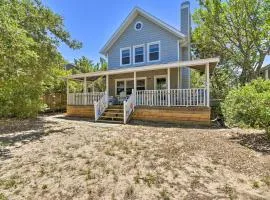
point(94, 21)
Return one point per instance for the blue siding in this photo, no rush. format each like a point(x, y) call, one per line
point(150, 33)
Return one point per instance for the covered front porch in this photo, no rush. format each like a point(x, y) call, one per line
point(156, 86)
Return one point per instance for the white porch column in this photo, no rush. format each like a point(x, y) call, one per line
point(107, 84)
point(207, 84)
point(67, 92)
point(135, 86)
point(135, 82)
point(169, 86)
point(85, 90)
point(266, 74)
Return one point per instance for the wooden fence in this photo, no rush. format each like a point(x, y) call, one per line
point(55, 102)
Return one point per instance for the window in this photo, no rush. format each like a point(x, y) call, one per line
point(120, 87)
point(154, 51)
point(138, 26)
point(141, 84)
point(138, 54)
point(126, 85)
point(129, 86)
point(161, 83)
point(125, 56)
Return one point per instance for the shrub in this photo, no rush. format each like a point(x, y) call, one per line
point(249, 105)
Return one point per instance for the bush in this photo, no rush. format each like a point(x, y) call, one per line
point(249, 106)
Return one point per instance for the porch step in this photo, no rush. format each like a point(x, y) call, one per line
point(113, 114)
point(109, 121)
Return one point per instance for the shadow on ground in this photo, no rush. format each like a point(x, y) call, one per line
point(74, 118)
point(15, 125)
point(22, 132)
point(173, 125)
point(256, 142)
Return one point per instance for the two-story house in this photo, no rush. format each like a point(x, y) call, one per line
point(148, 76)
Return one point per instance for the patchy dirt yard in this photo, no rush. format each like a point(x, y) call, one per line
point(58, 158)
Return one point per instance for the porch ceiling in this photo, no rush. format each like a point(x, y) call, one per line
point(194, 64)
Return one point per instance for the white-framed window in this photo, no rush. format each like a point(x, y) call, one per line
point(160, 82)
point(153, 49)
point(126, 85)
point(138, 54)
point(120, 87)
point(138, 26)
point(125, 56)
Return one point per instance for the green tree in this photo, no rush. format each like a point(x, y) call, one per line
point(85, 65)
point(29, 36)
point(235, 30)
point(249, 105)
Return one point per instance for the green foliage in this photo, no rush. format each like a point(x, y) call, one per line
point(84, 65)
point(249, 105)
point(197, 80)
point(29, 36)
point(235, 30)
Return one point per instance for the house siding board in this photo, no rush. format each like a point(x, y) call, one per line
point(150, 33)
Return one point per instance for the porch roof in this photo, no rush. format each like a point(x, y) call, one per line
point(194, 64)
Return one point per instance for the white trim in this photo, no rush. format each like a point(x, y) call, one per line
point(178, 69)
point(107, 83)
point(160, 76)
point(134, 47)
point(134, 13)
point(169, 85)
point(190, 63)
point(178, 50)
point(138, 22)
point(207, 84)
point(148, 51)
point(125, 83)
point(121, 50)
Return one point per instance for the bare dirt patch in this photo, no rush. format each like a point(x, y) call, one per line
point(58, 158)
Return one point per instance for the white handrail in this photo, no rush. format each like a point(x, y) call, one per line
point(101, 105)
point(173, 97)
point(129, 106)
point(80, 99)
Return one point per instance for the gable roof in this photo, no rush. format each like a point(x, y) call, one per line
point(134, 13)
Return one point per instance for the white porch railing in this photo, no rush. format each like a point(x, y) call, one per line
point(101, 105)
point(129, 106)
point(80, 99)
point(173, 97)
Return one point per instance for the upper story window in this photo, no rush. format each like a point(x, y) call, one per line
point(153, 51)
point(125, 56)
point(138, 54)
point(138, 26)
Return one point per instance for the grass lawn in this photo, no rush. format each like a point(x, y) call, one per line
point(58, 158)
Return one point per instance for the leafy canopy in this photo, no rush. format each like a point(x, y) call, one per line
point(29, 36)
point(236, 30)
